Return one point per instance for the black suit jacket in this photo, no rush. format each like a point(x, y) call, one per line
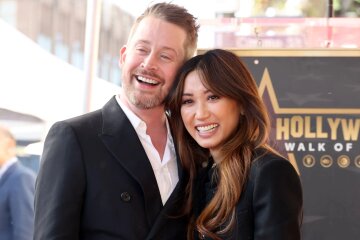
point(96, 182)
point(271, 205)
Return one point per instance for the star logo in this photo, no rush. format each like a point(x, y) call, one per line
point(303, 117)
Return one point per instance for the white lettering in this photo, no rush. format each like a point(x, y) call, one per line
point(311, 148)
point(289, 146)
point(321, 147)
point(348, 146)
point(338, 147)
point(301, 147)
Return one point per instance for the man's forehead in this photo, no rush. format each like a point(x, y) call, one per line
point(160, 33)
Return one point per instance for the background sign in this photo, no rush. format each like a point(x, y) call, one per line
point(313, 98)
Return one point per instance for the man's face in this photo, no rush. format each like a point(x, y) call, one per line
point(7, 146)
point(150, 61)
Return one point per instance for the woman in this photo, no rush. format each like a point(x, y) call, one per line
point(239, 187)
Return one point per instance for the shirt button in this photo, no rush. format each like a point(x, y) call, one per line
point(204, 164)
point(125, 196)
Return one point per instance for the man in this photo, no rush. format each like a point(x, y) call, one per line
point(17, 185)
point(113, 173)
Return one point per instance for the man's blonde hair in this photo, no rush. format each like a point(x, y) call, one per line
point(176, 15)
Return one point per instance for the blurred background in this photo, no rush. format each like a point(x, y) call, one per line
point(59, 59)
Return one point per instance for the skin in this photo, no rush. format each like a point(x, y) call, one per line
point(153, 55)
point(7, 147)
point(149, 64)
point(210, 119)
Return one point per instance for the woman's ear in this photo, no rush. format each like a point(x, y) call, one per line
point(241, 110)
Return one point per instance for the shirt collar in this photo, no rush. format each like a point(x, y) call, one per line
point(137, 122)
point(134, 120)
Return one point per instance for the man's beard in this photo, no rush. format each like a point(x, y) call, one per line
point(143, 101)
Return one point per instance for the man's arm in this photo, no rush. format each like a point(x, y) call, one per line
point(60, 186)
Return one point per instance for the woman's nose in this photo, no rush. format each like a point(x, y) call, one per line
point(202, 111)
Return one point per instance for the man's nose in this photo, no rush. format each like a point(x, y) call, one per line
point(149, 62)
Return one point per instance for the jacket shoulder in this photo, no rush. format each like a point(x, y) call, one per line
point(264, 158)
point(269, 166)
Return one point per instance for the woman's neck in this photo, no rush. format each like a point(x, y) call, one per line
point(216, 155)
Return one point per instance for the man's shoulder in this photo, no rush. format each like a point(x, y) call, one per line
point(81, 119)
point(94, 115)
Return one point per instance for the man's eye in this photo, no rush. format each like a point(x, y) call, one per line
point(165, 57)
point(141, 50)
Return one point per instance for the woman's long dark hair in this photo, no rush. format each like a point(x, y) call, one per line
point(223, 73)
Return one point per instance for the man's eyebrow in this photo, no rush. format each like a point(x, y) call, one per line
point(163, 47)
point(142, 41)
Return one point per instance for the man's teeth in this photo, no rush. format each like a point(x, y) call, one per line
point(147, 80)
point(206, 128)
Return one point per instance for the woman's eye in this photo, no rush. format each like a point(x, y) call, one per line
point(186, 101)
point(214, 97)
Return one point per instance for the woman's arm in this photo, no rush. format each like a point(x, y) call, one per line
point(277, 200)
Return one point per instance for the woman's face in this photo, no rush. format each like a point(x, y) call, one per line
point(210, 119)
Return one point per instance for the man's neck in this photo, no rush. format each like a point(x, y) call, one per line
point(155, 120)
point(154, 117)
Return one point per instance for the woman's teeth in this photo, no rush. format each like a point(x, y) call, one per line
point(206, 128)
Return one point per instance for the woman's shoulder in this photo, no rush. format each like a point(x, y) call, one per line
point(267, 160)
point(271, 172)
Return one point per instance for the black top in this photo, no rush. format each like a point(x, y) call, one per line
point(270, 206)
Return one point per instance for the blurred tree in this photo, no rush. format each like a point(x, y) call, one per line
point(308, 8)
point(347, 8)
point(262, 6)
point(314, 8)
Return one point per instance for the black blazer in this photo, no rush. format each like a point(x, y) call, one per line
point(96, 182)
point(271, 205)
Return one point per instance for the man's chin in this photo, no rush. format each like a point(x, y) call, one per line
point(145, 103)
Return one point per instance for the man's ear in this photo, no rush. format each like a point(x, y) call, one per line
point(122, 55)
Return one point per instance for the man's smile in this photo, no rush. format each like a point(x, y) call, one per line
point(146, 80)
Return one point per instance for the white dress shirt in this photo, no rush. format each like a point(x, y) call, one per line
point(165, 170)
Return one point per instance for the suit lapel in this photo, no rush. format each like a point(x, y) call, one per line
point(173, 205)
point(121, 140)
